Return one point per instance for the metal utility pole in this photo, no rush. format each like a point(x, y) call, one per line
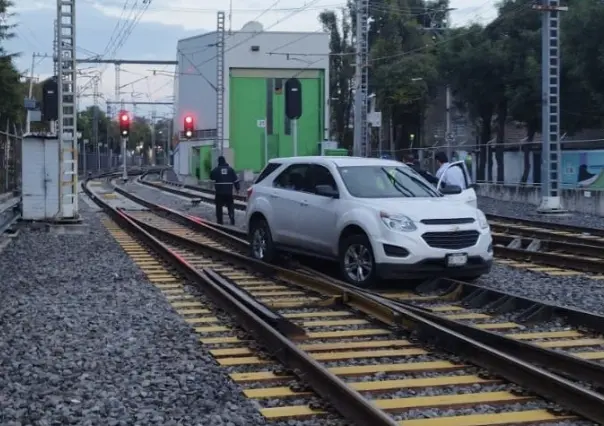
point(550, 106)
point(449, 137)
point(220, 82)
point(67, 131)
point(153, 156)
point(125, 167)
point(30, 93)
point(95, 122)
point(55, 50)
point(360, 146)
point(169, 139)
point(117, 84)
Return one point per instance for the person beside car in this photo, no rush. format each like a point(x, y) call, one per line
point(451, 176)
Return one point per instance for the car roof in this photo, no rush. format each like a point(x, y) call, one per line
point(338, 161)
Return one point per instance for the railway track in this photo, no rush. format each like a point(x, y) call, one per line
point(336, 326)
point(559, 247)
point(575, 336)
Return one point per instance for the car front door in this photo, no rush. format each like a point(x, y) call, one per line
point(317, 225)
point(286, 198)
point(468, 194)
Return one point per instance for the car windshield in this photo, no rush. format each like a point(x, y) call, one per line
point(385, 182)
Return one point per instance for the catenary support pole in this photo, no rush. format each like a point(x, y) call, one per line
point(550, 88)
point(359, 146)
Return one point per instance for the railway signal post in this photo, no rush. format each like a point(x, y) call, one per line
point(124, 132)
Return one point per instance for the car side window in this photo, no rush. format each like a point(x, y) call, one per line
point(270, 167)
point(320, 175)
point(295, 177)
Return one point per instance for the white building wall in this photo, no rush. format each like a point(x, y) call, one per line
point(197, 68)
point(196, 81)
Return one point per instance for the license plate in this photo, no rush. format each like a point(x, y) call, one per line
point(457, 259)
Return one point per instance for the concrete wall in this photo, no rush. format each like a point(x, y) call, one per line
point(574, 200)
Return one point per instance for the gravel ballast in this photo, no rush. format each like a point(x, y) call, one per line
point(528, 211)
point(86, 340)
point(203, 210)
point(574, 291)
point(510, 279)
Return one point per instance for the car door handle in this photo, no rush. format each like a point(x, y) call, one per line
point(303, 203)
point(272, 196)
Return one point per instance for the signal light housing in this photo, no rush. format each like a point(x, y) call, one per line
point(124, 124)
point(189, 127)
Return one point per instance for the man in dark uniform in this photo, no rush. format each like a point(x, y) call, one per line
point(410, 161)
point(224, 178)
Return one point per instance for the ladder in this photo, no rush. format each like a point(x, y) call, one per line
point(67, 126)
point(220, 82)
point(363, 43)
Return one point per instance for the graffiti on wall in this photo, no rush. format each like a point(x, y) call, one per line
point(583, 169)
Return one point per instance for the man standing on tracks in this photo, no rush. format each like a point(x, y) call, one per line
point(224, 178)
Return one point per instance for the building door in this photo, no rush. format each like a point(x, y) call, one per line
point(40, 177)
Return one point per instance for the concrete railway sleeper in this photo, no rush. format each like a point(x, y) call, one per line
point(531, 322)
point(569, 341)
point(393, 370)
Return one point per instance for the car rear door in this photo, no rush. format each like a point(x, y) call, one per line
point(286, 199)
point(467, 195)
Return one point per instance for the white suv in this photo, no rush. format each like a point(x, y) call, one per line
point(378, 218)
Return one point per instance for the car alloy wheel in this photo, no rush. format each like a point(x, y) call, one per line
point(358, 263)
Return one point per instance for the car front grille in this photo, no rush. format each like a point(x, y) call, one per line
point(459, 221)
point(451, 240)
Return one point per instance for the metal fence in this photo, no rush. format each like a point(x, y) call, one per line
point(10, 159)
point(95, 162)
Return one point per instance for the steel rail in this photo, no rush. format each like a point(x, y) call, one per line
point(563, 363)
point(577, 263)
point(585, 402)
point(551, 245)
point(544, 234)
point(344, 399)
point(549, 225)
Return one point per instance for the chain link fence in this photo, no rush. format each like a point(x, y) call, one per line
point(10, 159)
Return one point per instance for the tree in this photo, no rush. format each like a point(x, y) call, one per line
point(11, 103)
point(341, 65)
point(403, 67)
point(472, 63)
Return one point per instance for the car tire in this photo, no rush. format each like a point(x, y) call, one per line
point(357, 263)
point(261, 241)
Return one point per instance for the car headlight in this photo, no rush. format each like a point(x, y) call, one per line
point(398, 222)
point(482, 220)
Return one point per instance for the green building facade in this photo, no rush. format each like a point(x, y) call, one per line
point(259, 94)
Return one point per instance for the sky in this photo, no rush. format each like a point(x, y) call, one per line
point(100, 31)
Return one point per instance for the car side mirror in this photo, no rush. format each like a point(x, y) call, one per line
point(450, 190)
point(327, 191)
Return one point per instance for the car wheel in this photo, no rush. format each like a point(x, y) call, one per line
point(261, 241)
point(357, 263)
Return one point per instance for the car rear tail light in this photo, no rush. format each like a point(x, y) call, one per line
point(249, 192)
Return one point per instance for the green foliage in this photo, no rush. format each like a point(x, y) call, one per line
point(11, 100)
point(494, 71)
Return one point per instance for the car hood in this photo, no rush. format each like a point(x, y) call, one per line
point(422, 208)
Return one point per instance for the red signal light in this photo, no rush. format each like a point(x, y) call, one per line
point(124, 124)
point(189, 127)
